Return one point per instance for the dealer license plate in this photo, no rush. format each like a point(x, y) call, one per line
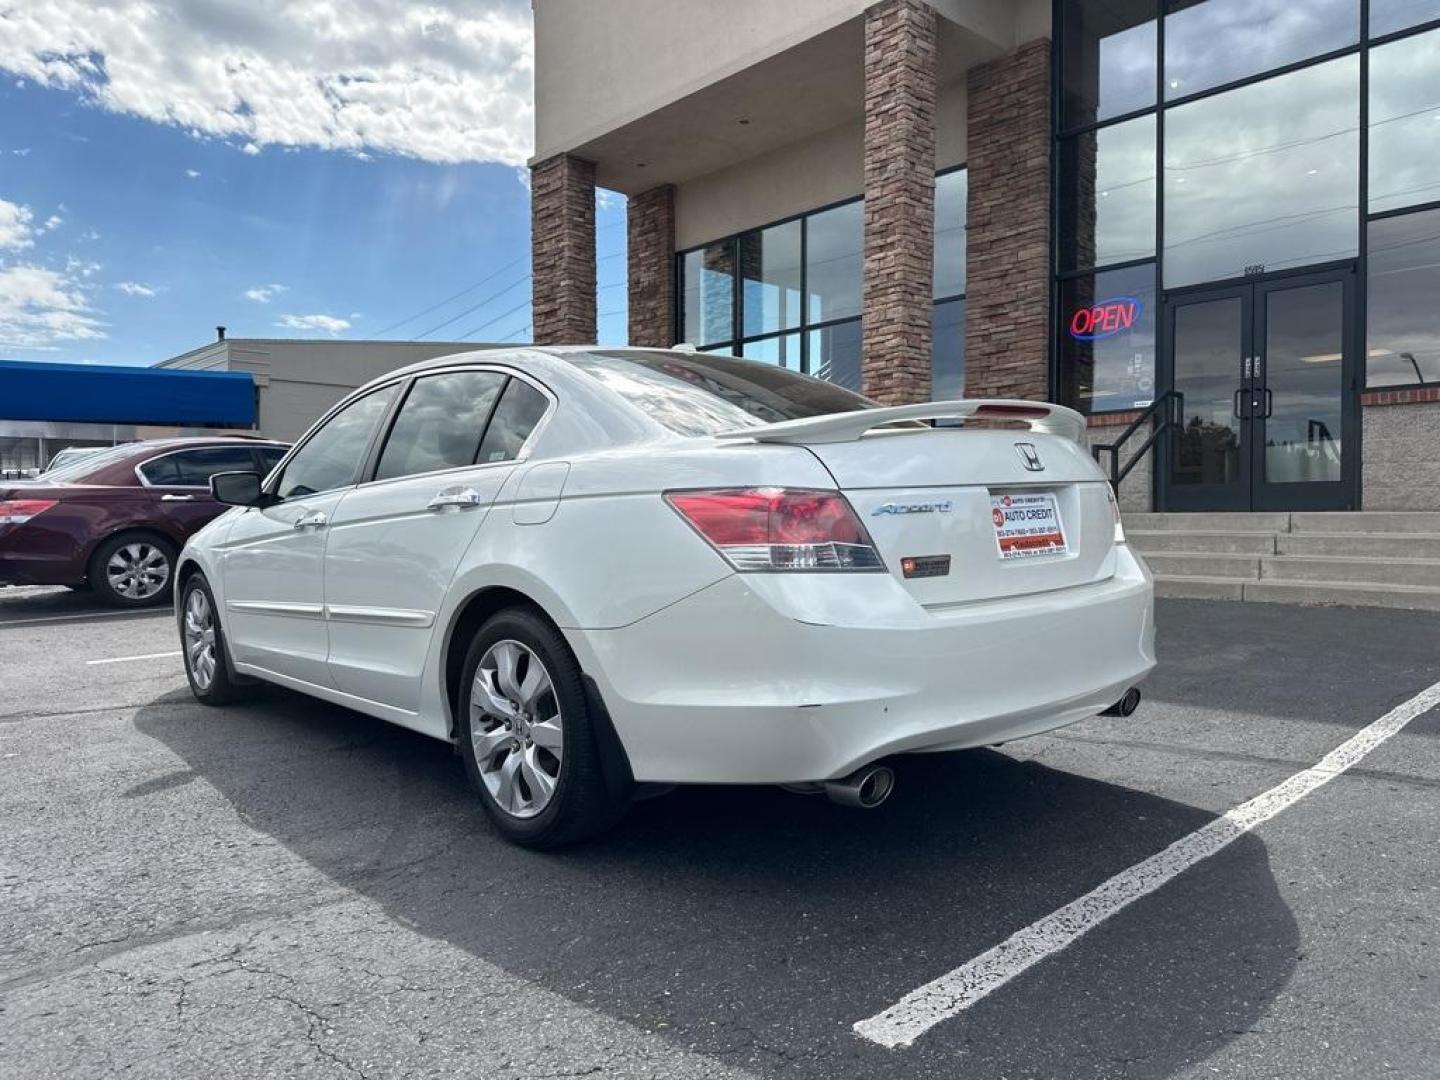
point(1027, 526)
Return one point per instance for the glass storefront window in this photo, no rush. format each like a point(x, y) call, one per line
point(1263, 177)
point(1403, 319)
point(1405, 122)
point(783, 351)
point(951, 191)
point(1107, 339)
point(1107, 195)
point(1108, 60)
point(770, 278)
point(833, 242)
point(835, 354)
point(1387, 16)
point(1213, 42)
point(947, 351)
point(708, 300)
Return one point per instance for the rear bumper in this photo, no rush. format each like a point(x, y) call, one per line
point(723, 687)
point(23, 569)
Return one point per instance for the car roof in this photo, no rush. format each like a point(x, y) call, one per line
point(521, 356)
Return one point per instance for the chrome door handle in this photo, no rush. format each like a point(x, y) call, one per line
point(316, 519)
point(177, 498)
point(454, 497)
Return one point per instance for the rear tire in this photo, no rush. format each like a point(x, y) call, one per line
point(202, 646)
point(133, 570)
point(527, 736)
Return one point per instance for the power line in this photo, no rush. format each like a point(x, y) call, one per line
point(456, 296)
point(493, 321)
point(476, 306)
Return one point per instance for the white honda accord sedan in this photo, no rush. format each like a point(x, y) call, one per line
point(599, 571)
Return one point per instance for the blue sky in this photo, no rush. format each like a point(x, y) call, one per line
point(139, 208)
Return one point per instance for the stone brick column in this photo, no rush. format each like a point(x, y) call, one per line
point(650, 229)
point(562, 250)
point(899, 200)
point(1007, 293)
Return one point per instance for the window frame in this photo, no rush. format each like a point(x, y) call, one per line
point(393, 417)
point(256, 462)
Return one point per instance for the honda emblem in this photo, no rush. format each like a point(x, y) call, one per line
point(1030, 456)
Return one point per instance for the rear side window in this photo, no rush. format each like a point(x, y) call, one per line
point(696, 394)
point(520, 409)
point(193, 468)
point(440, 424)
point(333, 456)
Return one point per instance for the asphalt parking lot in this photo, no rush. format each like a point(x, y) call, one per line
point(292, 889)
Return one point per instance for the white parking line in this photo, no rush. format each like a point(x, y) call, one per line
point(949, 995)
point(125, 659)
point(93, 616)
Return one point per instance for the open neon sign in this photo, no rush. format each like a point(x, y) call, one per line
point(1106, 318)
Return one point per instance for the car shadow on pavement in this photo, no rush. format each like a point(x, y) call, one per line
point(757, 925)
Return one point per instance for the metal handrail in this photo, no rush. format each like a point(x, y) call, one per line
point(1173, 402)
point(1317, 431)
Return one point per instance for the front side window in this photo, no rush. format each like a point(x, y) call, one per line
point(193, 468)
point(440, 423)
point(333, 457)
point(520, 409)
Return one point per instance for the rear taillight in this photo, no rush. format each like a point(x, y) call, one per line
point(779, 528)
point(16, 511)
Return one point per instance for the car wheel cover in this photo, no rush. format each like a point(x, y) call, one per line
point(138, 571)
point(200, 638)
point(516, 729)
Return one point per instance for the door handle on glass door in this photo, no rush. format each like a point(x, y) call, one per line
point(315, 519)
point(454, 497)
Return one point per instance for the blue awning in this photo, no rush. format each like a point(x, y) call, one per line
point(91, 393)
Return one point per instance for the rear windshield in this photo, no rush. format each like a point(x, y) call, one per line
point(695, 394)
point(90, 463)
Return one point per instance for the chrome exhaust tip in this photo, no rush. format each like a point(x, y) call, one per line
point(864, 789)
point(1126, 705)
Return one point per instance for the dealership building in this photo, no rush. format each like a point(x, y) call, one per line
point(1217, 216)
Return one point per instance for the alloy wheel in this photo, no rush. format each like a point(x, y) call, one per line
point(200, 638)
point(516, 729)
point(138, 571)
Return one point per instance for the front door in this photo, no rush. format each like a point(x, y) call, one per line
point(1266, 372)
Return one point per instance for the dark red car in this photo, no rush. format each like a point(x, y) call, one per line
point(116, 520)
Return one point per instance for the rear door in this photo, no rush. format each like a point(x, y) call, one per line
point(178, 484)
point(965, 515)
point(396, 540)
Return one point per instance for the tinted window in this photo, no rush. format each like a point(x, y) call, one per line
point(440, 423)
point(947, 355)
point(835, 354)
point(520, 409)
point(333, 456)
point(1404, 117)
point(1403, 319)
point(1107, 195)
point(193, 468)
point(701, 395)
point(269, 457)
point(1108, 61)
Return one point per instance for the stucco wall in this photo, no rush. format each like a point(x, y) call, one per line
point(1401, 457)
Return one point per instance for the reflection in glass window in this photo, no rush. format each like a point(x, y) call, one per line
point(1213, 42)
point(783, 351)
point(947, 351)
point(770, 278)
point(1405, 122)
point(1304, 377)
point(1108, 195)
point(1403, 318)
point(708, 293)
point(332, 457)
point(1264, 176)
point(520, 409)
point(1108, 59)
point(440, 423)
point(1387, 16)
point(1107, 340)
point(951, 191)
point(835, 354)
point(833, 241)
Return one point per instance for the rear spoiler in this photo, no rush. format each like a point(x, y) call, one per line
point(849, 426)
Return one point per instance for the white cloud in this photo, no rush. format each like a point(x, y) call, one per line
point(328, 323)
point(40, 307)
point(15, 230)
point(135, 288)
point(607, 200)
point(84, 268)
point(53, 222)
point(193, 174)
point(441, 81)
point(263, 294)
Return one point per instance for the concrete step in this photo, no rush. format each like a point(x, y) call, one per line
point(1198, 588)
point(1355, 571)
point(1209, 522)
point(1368, 521)
point(1361, 545)
point(1183, 564)
point(1343, 594)
point(1199, 542)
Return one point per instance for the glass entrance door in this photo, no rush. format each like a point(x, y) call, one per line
point(1266, 372)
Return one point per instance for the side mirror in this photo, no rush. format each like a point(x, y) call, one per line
point(238, 489)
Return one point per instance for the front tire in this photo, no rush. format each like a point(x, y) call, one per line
point(527, 736)
point(133, 570)
point(202, 645)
